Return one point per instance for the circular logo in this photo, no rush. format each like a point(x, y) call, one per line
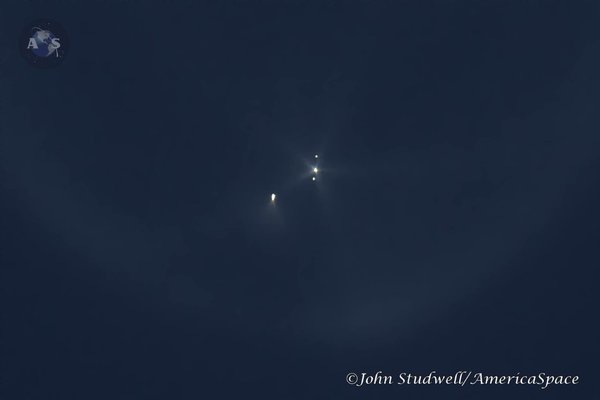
point(44, 43)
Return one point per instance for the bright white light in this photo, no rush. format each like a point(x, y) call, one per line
point(316, 156)
point(314, 178)
point(273, 197)
point(315, 170)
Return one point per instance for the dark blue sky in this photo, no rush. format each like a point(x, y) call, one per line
point(453, 226)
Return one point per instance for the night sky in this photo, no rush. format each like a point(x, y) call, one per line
point(453, 225)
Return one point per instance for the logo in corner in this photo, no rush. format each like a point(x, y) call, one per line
point(44, 43)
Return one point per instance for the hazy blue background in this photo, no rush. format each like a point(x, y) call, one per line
point(454, 227)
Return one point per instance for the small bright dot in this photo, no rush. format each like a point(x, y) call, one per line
point(315, 170)
point(273, 197)
point(316, 156)
point(314, 178)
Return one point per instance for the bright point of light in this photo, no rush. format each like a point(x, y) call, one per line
point(315, 170)
point(316, 156)
point(273, 197)
point(314, 178)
